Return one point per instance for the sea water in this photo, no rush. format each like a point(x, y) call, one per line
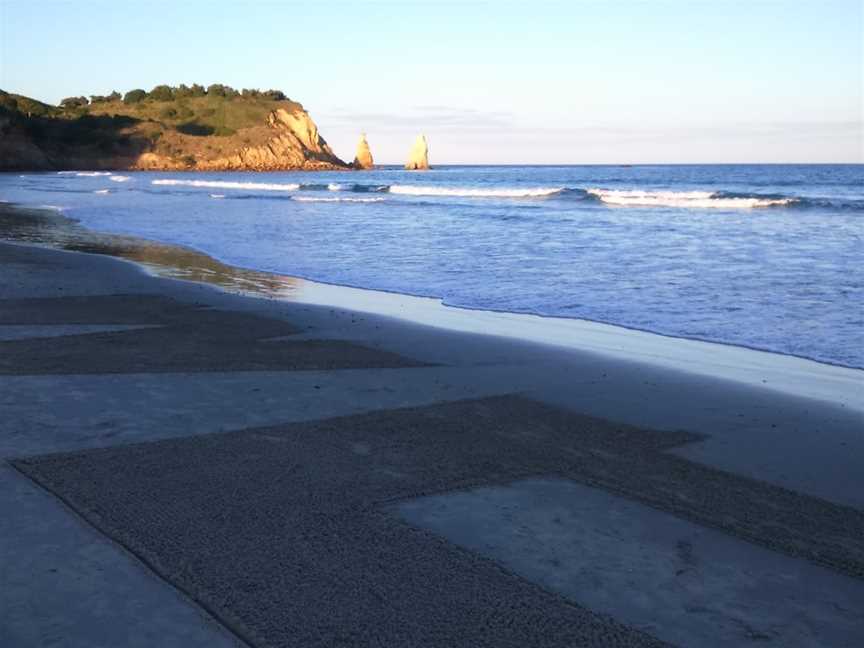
point(763, 256)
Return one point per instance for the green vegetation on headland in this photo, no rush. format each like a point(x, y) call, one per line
point(168, 127)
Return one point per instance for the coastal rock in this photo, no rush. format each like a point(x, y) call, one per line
point(300, 124)
point(418, 159)
point(19, 153)
point(155, 162)
point(294, 144)
point(282, 138)
point(363, 159)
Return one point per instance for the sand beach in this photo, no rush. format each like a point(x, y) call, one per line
point(195, 454)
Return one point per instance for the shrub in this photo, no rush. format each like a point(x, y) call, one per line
point(134, 96)
point(74, 102)
point(114, 96)
point(275, 95)
point(197, 90)
point(162, 93)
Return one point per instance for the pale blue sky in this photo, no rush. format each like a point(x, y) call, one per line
point(531, 82)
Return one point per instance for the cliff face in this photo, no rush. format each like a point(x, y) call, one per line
point(363, 159)
point(292, 142)
point(267, 136)
point(19, 153)
point(418, 159)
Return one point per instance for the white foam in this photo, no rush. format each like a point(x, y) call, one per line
point(119, 178)
point(335, 186)
point(695, 199)
point(87, 174)
point(469, 192)
point(101, 191)
point(312, 199)
point(217, 196)
point(220, 184)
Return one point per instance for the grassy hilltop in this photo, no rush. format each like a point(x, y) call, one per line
point(176, 127)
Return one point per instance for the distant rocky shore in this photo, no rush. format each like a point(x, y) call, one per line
point(184, 128)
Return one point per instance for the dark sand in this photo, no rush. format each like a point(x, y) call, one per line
point(187, 339)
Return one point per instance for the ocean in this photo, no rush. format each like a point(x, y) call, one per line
point(769, 257)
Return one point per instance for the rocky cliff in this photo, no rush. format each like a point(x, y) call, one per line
point(418, 159)
point(292, 142)
point(203, 133)
point(363, 159)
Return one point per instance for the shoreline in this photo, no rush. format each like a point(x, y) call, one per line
point(841, 357)
point(144, 402)
point(609, 384)
point(785, 373)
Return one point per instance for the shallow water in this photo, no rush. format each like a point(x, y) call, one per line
point(763, 256)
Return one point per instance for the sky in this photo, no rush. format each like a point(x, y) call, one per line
point(578, 82)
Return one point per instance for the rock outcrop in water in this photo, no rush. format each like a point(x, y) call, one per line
point(223, 132)
point(418, 159)
point(363, 159)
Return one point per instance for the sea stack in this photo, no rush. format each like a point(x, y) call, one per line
point(419, 157)
point(363, 159)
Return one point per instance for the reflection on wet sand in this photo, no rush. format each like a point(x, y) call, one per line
point(44, 227)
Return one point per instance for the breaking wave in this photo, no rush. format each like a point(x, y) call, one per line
point(693, 199)
point(119, 178)
point(407, 190)
point(684, 199)
point(468, 192)
point(314, 199)
point(101, 191)
point(221, 184)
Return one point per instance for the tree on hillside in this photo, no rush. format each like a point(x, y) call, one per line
point(219, 90)
point(197, 90)
point(182, 91)
point(134, 96)
point(162, 93)
point(114, 96)
point(275, 95)
point(74, 102)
